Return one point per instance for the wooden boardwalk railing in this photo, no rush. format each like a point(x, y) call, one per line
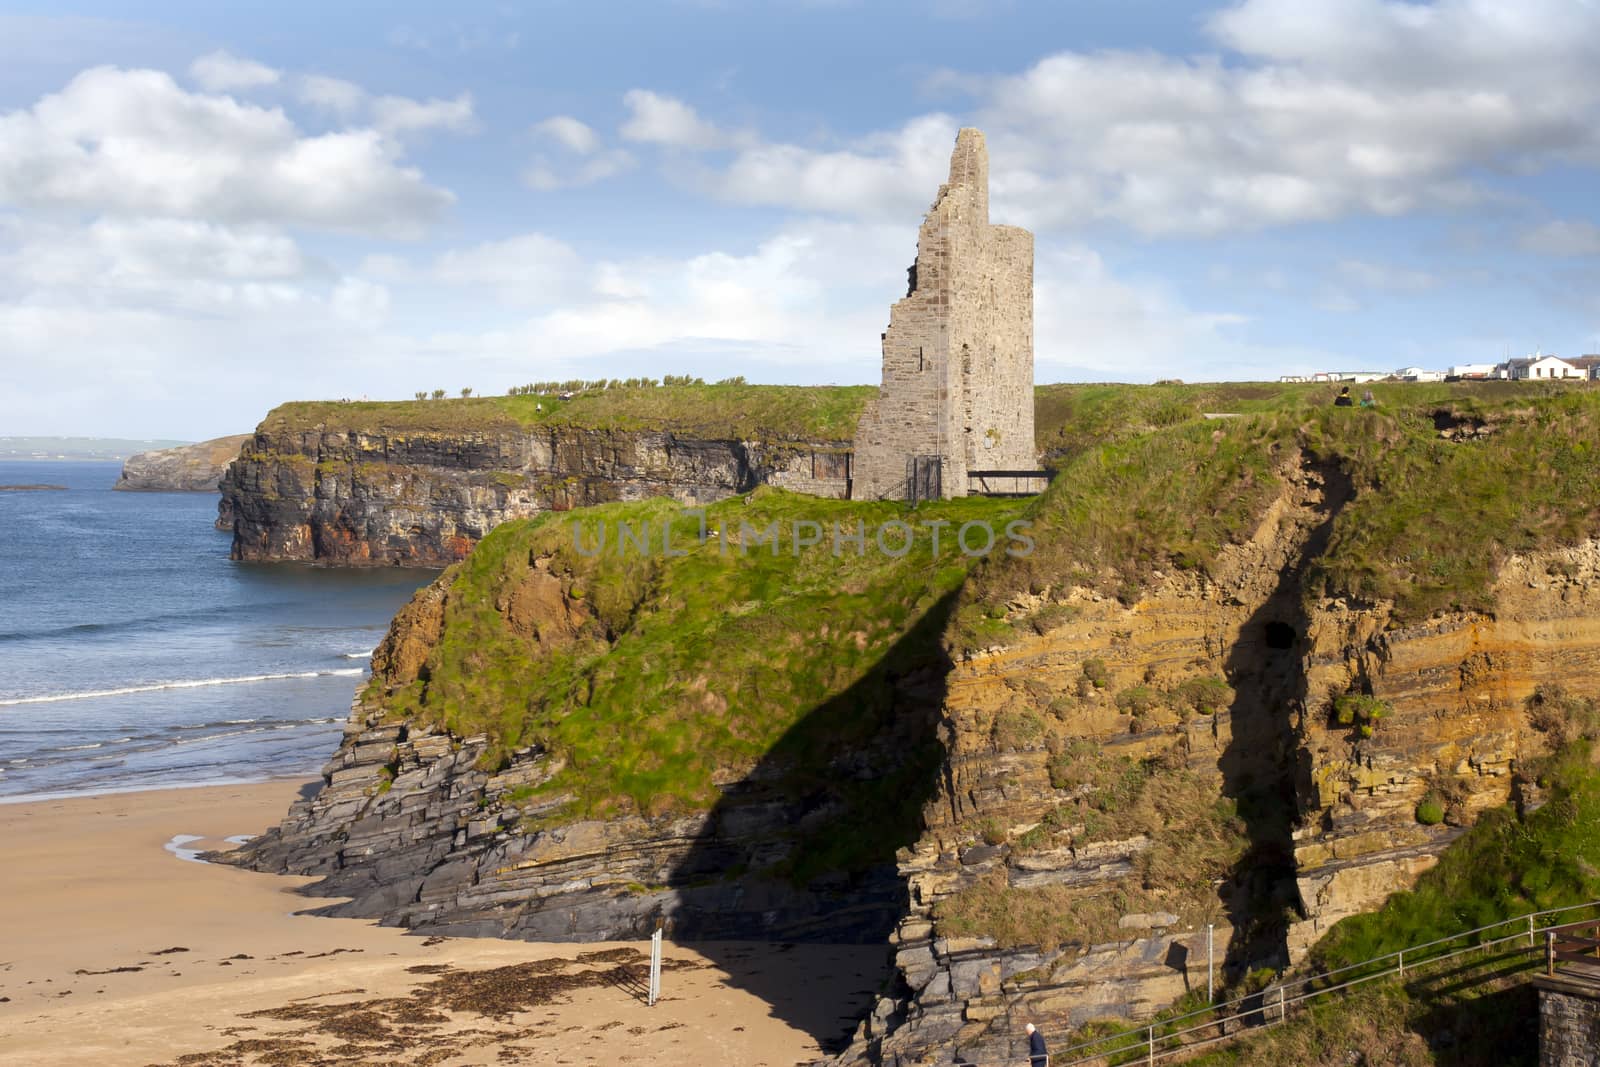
point(1563, 945)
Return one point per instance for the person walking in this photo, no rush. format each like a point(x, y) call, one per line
point(1038, 1055)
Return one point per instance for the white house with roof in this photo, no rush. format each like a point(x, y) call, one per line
point(1418, 374)
point(1473, 370)
point(1588, 366)
point(1538, 367)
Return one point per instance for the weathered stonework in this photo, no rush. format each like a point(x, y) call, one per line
point(957, 390)
point(1569, 1021)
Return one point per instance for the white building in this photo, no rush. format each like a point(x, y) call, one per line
point(1418, 374)
point(1356, 376)
point(1540, 368)
point(1472, 370)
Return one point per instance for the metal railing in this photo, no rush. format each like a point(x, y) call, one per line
point(1156, 1040)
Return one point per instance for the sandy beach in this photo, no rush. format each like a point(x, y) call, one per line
point(116, 949)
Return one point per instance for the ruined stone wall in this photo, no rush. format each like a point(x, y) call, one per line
point(993, 332)
point(1569, 1022)
point(958, 354)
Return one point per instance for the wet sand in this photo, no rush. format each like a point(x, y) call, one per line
point(116, 950)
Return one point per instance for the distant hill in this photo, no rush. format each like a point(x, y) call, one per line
point(80, 448)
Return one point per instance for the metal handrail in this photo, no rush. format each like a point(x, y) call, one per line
point(1146, 1039)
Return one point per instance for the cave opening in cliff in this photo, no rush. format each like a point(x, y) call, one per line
point(1280, 636)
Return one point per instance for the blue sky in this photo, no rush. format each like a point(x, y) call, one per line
point(209, 209)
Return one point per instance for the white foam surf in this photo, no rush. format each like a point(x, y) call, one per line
point(161, 686)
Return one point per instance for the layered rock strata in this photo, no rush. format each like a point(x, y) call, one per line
point(413, 827)
point(1144, 770)
point(1455, 724)
point(425, 498)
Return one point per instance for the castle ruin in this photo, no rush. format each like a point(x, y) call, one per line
point(957, 393)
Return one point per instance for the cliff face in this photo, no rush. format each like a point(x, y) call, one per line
point(665, 788)
point(426, 497)
point(1246, 736)
point(186, 469)
point(1109, 786)
point(1326, 813)
point(418, 833)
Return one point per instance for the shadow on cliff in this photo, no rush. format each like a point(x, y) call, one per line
point(802, 849)
point(1261, 766)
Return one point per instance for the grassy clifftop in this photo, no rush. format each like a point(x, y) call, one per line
point(1446, 482)
point(759, 412)
point(655, 676)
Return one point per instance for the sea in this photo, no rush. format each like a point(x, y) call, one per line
point(135, 655)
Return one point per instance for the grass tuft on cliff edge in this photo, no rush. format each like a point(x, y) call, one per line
point(652, 678)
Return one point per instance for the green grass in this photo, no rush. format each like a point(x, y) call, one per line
point(1069, 418)
point(1429, 523)
point(680, 669)
point(748, 412)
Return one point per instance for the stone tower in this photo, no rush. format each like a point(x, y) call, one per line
point(957, 391)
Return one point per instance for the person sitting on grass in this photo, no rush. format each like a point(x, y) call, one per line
point(1343, 399)
point(1368, 400)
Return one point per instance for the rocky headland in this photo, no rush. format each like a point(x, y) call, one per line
point(420, 484)
point(196, 468)
point(1257, 676)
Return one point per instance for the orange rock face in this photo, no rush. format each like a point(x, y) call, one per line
point(1327, 810)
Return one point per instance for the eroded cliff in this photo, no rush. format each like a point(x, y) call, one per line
point(1257, 675)
point(194, 468)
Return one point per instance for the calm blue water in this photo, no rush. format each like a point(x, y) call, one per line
point(134, 655)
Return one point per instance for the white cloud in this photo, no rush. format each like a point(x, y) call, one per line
point(1324, 109)
point(545, 175)
point(402, 115)
point(361, 302)
point(336, 95)
point(891, 175)
point(1088, 322)
point(176, 322)
point(1563, 237)
point(221, 71)
point(527, 269)
point(182, 264)
point(595, 163)
point(132, 142)
point(664, 120)
point(394, 116)
point(573, 135)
